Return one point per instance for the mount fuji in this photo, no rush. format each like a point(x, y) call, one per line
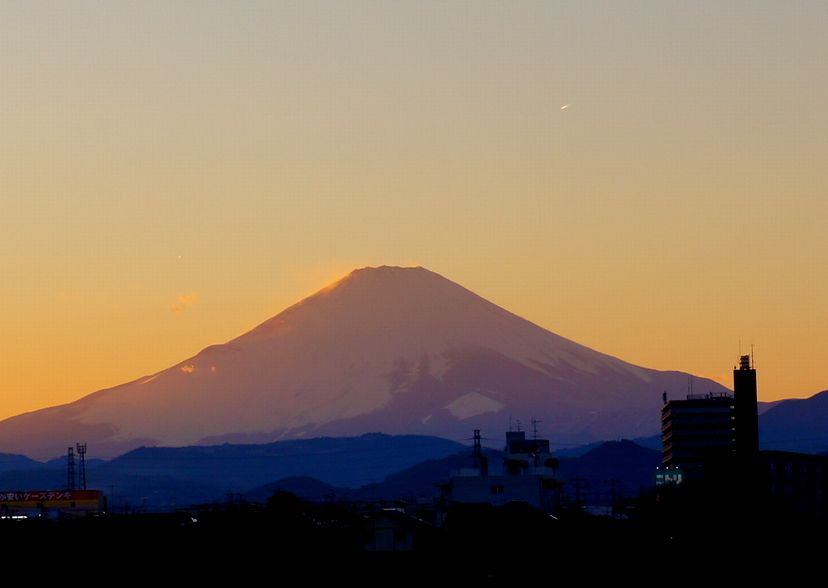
point(387, 349)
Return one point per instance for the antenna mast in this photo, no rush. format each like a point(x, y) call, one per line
point(81, 447)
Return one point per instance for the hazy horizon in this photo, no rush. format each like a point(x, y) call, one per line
point(645, 179)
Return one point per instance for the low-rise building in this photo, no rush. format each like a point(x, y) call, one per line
point(528, 476)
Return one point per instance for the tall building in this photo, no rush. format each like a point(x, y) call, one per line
point(696, 430)
point(711, 427)
point(747, 417)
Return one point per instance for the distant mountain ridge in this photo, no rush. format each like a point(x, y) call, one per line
point(371, 466)
point(797, 424)
point(165, 477)
point(397, 350)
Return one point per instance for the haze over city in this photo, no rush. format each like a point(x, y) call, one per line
point(646, 178)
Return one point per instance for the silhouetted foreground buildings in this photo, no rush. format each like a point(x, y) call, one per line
point(795, 485)
point(72, 501)
point(710, 450)
point(366, 540)
point(695, 430)
point(715, 426)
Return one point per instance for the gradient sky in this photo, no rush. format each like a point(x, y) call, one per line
point(174, 173)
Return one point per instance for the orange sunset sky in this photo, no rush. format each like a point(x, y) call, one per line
point(173, 173)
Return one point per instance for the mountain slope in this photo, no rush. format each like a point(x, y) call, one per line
point(11, 462)
point(796, 425)
point(398, 350)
